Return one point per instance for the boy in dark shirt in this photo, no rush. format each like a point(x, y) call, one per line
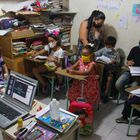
point(133, 59)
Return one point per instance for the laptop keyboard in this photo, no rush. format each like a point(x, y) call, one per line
point(8, 112)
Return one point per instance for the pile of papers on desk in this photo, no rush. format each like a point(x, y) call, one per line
point(136, 92)
point(135, 71)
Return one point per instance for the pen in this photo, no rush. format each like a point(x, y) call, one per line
point(32, 116)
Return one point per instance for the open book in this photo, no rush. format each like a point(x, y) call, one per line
point(135, 71)
point(41, 57)
point(103, 59)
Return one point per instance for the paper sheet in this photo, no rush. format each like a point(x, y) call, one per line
point(16, 6)
point(135, 71)
point(41, 57)
point(136, 92)
point(104, 59)
point(4, 32)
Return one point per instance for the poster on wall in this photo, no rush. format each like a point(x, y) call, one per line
point(109, 4)
point(136, 12)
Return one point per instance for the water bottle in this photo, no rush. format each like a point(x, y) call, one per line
point(54, 109)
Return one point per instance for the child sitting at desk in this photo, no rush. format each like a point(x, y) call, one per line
point(53, 62)
point(48, 47)
point(85, 66)
point(109, 70)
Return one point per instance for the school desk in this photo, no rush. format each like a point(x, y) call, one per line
point(72, 134)
point(30, 63)
point(81, 78)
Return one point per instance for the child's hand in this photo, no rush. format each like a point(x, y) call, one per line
point(97, 77)
point(71, 71)
point(52, 59)
point(130, 96)
point(113, 62)
point(130, 63)
point(67, 70)
point(6, 76)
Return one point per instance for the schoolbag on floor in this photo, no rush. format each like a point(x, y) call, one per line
point(85, 112)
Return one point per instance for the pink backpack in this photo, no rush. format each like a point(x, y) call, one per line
point(85, 112)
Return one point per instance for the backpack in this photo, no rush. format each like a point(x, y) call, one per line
point(85, 112)
point(5, 24)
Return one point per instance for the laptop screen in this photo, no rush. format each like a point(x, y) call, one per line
point(21, 88)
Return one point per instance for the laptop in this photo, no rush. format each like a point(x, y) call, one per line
point(18, 98)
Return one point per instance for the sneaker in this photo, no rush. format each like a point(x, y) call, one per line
point(121, 120)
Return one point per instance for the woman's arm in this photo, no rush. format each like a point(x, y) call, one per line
point(90, 68)
point(83, 33)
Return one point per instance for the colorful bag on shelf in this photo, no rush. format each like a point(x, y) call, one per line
point(86, 116)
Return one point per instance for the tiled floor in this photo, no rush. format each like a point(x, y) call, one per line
point(105, 127)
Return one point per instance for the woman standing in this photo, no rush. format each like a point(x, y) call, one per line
point(90, 32)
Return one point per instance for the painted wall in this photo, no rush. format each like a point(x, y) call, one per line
point(119, 20)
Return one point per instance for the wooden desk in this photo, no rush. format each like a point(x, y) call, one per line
point(30, 63)
point(72, 134)
point(132, 88)
point(138, 138)
point(73, 76)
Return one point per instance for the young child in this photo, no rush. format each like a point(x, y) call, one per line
point(85, 66)
point(46, 50)
point(109, 70)
point(53, 62)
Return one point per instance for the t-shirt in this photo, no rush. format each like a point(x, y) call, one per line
point(47, 48)
point(58, 54)
point(135, 55)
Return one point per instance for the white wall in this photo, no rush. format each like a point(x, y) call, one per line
point(128, 36)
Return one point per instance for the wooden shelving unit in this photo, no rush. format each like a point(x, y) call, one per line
point(16, 63)
point(6, 43)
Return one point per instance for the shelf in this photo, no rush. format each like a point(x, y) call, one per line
point(22, 34)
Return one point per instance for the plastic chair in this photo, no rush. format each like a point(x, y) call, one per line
point(136, 107)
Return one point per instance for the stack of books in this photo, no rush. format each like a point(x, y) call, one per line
point(19, 48)
point(51, 28)
point(55, 5)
